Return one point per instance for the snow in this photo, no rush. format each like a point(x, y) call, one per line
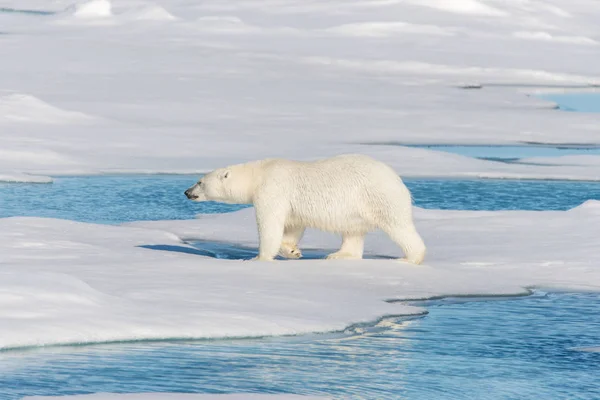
point(186, 87)
point(23, 178)
point(93, 283)
point(93, 9)
point(153, 13)
point(587, 160)
point(133, 86)
point(562, 39)
point(383, 29)
point(472, 7)
point(25, 108)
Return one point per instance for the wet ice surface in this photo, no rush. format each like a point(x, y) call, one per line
point(115, 199)
point(574, 101)
point(507, 153)
point(502, 348)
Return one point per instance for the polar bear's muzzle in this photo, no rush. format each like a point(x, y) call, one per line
point(190, 193)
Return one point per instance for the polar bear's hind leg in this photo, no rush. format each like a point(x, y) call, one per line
point(352, 247)
point(409, 240)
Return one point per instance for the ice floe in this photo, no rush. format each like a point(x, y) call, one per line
point(93, 283)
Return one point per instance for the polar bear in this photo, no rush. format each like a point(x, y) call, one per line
point(289, 249)
point(348, 194)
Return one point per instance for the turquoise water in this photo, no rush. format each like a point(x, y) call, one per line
point(513, 153)
point(506, 153)
point(579, 102)
point(527, 348)
point(115, 199)
point(106, 199)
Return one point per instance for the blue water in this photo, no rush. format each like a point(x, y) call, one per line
point(504, 349)
point(107, 199)
point(579, 102)
point(116, 199)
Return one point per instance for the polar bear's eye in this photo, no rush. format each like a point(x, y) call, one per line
point(226, 175)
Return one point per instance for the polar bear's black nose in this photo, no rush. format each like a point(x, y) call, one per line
point(188, 193)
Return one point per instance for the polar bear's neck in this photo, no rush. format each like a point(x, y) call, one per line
point(245, 178)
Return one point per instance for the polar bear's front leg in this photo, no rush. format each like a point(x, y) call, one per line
point(270, 219)
point(289, 244)
point(352, 248)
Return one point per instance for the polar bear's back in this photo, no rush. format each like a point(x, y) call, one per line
point(346, 173)
point(344, 193)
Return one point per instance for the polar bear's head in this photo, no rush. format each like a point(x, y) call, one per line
point(226, 185)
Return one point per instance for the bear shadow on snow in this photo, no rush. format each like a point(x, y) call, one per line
point(231, 251)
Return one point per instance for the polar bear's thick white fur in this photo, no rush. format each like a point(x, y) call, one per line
point(347, 194)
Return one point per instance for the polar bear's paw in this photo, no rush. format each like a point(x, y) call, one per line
point(288, 250)
point(414, 262)
point(257, 258)
point(343, 256)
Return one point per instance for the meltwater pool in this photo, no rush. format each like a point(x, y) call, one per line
point(116, 199)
